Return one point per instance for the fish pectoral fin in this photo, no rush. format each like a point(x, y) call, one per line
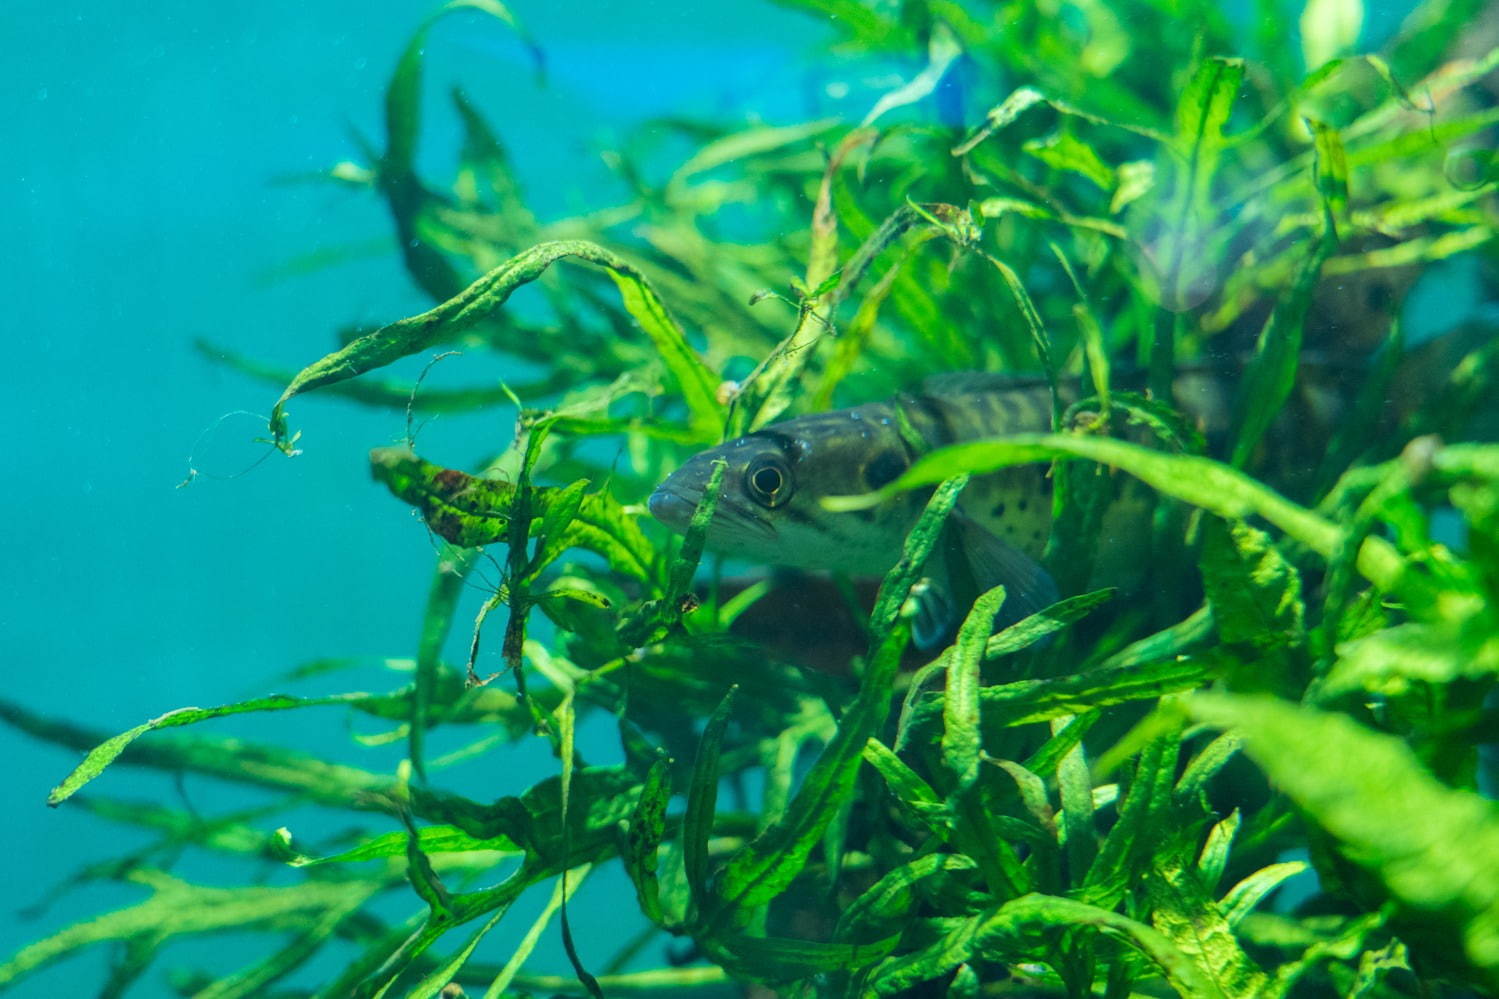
point(971, 560)
point(991, 562)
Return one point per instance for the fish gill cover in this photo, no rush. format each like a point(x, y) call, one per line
point(1100, 799)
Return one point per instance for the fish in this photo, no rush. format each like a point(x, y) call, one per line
point(770, 507)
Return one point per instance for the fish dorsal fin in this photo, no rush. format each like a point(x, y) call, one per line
point(976, 382)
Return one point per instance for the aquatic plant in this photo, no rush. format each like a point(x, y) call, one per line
point(1097, 800)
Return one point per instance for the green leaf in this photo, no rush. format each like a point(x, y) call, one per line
point(106, 752)
point(1244, 896)
point(447, 584)
point(892, 897)
point(1204, 765)
point(778, 959)
point(1202, 113)
point(1185, 914)
point(1392, 660)
point(1024, 702)
point(177, 908)
point(554, 522)
point(1200, 481)
point(469, 510)
point(1039, 337)
point(691, 552)
point(431, 839)
point(1214, 857)
point(962, 744)
point(766, 865)
point(647, 826)
point(1272, 371)
point(1254, 592)
point(1007, 932)
point(533, 820)
point(748, 144)
point(1075, 789)
point(702, 798)
point(403, 94)
point(1363, 792)
point(1181, 258)
point(1066, 151)
point(476, 302)
point(254, 980)
point(412, 206)
point(561, 893)
point(1005, 113)
point(1125, 852)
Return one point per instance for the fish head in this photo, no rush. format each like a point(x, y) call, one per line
point(770, 504)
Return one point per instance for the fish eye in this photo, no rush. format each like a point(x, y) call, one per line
point(768, 481)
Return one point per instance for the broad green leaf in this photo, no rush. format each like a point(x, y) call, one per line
point(553, 524)
point(1389, 661)
point(1363, 792)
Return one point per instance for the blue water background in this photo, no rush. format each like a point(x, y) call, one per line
point(148, 165)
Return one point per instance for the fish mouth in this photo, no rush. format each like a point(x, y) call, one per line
point(671, 508)
point(675, 510)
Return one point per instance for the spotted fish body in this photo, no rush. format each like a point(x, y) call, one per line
point(770, 507)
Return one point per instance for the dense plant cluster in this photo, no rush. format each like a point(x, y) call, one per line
point(1101, 799)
